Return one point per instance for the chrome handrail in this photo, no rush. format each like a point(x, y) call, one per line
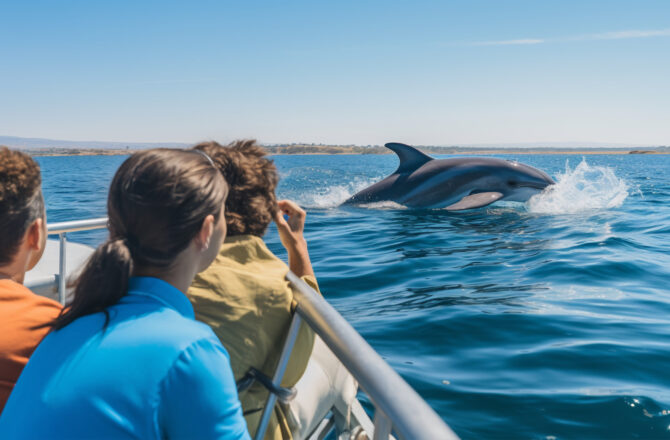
point(61, 229)
point(77, 225)
point(394, 400)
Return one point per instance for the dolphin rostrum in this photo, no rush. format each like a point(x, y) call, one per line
point(454, 184)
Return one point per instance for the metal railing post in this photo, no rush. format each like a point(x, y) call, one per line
point(382, 425)
point(62, 268)
point(279, 374)
point(61, 229)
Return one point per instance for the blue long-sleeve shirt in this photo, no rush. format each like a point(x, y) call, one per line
point(154, 372)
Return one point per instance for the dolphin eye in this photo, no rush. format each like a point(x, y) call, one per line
point(512, 183)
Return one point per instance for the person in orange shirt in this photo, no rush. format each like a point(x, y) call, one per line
point(24, 316)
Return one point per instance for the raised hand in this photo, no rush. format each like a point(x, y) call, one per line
point(291, 236)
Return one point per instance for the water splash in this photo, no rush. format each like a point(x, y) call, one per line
point(333, 196)
point(584, 188)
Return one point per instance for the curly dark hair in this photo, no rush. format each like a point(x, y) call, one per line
point(21, 200)
point(252, 179)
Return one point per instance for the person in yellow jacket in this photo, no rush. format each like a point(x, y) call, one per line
point(244, 295)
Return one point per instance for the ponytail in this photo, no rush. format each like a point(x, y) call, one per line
point(102, 283)
point(157, 202)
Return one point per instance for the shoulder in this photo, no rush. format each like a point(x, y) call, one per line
point(13, 291)
point(17, 301)
point(200, 376)
point(169, 327)
point(243, 269)
point(202, 352)
point(247, 250)
point(198, 396)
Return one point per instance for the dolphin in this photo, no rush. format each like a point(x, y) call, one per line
point(454, 184)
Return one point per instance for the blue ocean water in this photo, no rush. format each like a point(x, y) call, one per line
point(549, 319)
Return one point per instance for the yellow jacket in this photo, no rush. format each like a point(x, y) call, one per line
point(245, 298)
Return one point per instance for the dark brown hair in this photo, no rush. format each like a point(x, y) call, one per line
point(252, 179)
point(157, 202)
point(21, 200)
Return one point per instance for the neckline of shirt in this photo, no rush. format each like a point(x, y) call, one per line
point(163, 292)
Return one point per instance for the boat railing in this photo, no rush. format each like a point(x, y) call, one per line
point(398, 409)
point(61, 229)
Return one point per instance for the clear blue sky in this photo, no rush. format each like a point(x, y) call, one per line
point(438, 73)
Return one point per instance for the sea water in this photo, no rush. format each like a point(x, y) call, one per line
point(549, 319)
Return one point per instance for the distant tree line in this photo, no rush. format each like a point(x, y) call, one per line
point(324, 149)
point(354, 149)
point(377, 149)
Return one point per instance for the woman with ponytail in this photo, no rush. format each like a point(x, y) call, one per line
point(126, 359)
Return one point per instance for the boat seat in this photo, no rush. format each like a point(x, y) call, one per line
point(325, 386)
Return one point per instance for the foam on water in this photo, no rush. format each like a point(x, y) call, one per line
point(581, 189)
point(334, 195)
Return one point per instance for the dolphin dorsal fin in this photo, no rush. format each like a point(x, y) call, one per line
point(410, 157)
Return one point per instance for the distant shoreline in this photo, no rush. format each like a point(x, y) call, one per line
point(340, 150)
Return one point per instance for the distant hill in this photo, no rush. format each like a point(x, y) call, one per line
point(455, 149)
point(41, 147)
point(41, 144)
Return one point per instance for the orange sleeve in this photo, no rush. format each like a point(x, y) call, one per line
point(24, 319)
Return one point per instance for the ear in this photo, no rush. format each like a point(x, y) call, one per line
point(206, 230)
point(35, 235)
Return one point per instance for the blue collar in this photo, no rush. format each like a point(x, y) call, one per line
point(163, 292)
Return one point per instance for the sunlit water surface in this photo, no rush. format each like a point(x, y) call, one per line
point(549, 319)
